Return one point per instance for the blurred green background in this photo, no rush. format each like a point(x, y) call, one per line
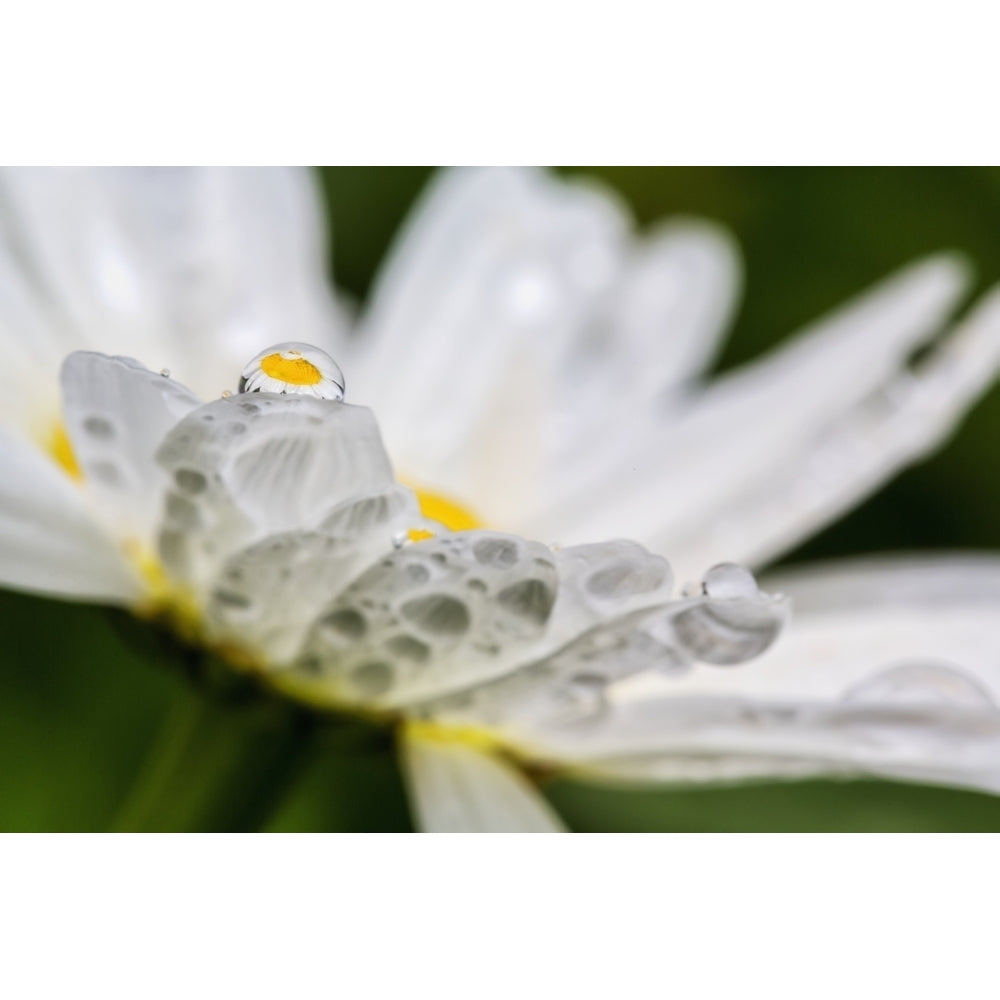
point(80, 706)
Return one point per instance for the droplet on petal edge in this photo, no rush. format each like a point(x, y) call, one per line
point(729, 581)
point(294, 369)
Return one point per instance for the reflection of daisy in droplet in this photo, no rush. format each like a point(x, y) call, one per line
point(293, 368)
point(260, 526)
point(505, 333)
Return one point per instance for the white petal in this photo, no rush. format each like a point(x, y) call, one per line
point(889, 668)
point(570, 688)
point(723, 739)
point(667, 478)
point(602, 582)
point(31, 350)
point(433, 617)
point(678, 294)
point(255, 465)
point(495, 277)
point(117, 414)
point(790, 497)
point(268, 595)
point(192, 269)
point(854, 617)
point(455, 788)
point(48, 542)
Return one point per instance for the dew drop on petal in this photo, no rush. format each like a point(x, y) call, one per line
point(581, 699)
point(294, 368)
point(729, 581)
point(921, 684)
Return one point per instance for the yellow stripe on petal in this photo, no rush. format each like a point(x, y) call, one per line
point(438, 732)
point(60, 448)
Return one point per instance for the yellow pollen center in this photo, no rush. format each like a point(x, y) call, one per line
point(453, 515)
point(291, 368)
point(60, 448)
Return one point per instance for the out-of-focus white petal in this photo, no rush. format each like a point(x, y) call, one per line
point(456, 788)
point(117, 413)
point(31, 350)
point(246, 467)
point(678, 293)
point(789, 497)
point(672, 477)
point(489, 288)
point(48, 542)
point(902, 733)
point(890, 667)
point(192, 269)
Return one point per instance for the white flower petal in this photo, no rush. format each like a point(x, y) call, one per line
point(856, 617)
point(726, 739)
point(443, 614)
point(48, 542)
point(250, 466)
point(31, 350)
point(266, 596)
point(117, 413)
point(678, 294)
point(571, 686)
point(788, 498)
point(604, 581)
point(192, 269)
point(889, 668)
point(495, 277)
point(667, 478)
point(455, 788)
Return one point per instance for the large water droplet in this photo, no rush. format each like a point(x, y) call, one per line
point(294, 368)
point(729, 581)
point(921, 684)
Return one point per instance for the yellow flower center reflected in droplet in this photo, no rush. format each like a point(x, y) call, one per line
point(287, 367)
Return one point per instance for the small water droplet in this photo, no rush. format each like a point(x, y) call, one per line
point(399, 539)
point(165, 372)
point(729, 581)
point(226, 394)
point(581, 699)
point(921, 684)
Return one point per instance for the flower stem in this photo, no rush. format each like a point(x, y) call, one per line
point(216, 766)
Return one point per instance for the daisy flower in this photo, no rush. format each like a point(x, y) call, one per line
point(515, 316)
point(583, 407)
point(267, 527)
